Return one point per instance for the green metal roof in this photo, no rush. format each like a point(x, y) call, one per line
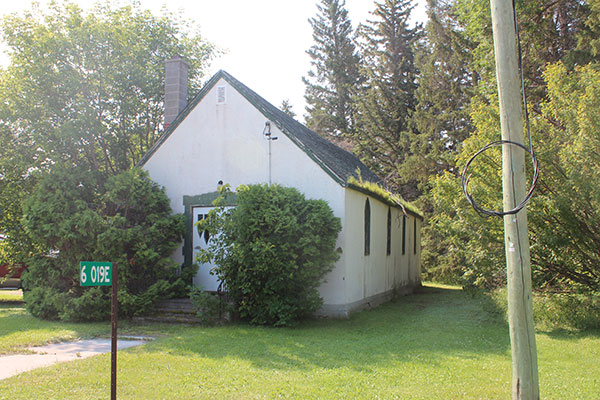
point(337, 162)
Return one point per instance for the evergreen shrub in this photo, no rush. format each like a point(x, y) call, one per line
point(75, 217)
point(272, 252)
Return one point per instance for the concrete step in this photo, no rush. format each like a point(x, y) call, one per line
point(176, 306)
point(170, 319)
point(175, 311)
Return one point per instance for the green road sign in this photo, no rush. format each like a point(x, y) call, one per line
point(95, 273)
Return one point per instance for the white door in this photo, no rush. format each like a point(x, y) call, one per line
point(203, 278)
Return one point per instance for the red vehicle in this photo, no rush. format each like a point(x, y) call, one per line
point(10, 276)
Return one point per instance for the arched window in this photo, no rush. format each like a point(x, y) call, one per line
point(415, 236)
point(404, 234)
point(388, 248)
point(367, 228)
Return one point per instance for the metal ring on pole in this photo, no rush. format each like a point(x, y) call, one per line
point(486, 211)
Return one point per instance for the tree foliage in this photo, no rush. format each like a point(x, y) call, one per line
point(588, 41)
point(563, 215)
point(469, 249)
point(272, 252)
point(287, 108)
point(462, 246)
point(549, 33)
point(83, 88)
point(446, 82)
point(334, 74)
point(75, 218)
point(387, 98)
point(88, 87)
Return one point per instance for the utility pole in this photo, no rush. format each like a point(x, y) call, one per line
point(525, 385)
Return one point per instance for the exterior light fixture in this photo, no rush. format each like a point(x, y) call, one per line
point(267, 131)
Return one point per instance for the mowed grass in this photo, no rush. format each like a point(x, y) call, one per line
point(18, 329)
point(439, 344)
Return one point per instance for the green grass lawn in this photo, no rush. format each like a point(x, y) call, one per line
point(18, 329)
point(440, 344)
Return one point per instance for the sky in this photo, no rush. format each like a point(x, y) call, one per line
point(265, 41)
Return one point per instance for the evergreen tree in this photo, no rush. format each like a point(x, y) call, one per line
point(387, 99)
point(589, 41)
point(549, 32)
point(334, 74)
point(441, 119)
point(287, 108)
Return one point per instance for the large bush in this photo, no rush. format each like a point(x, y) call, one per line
point(272, 251)
point(76, 217)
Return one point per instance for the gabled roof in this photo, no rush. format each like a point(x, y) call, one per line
point(337, 162)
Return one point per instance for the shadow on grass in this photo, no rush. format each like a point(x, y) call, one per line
point(11, 302)
point(12, 318)
point(19, 329)
point(568, 335)
point(420, 328)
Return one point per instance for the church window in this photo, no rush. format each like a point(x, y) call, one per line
point(367, 228)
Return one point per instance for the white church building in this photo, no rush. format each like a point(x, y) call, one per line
point(229, 134)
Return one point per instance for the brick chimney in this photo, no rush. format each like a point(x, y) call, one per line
point(176, 88)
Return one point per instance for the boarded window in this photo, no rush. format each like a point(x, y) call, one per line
point(388, 248)
point(367, 228)
point(404, 234)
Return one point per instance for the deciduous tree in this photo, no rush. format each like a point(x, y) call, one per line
point(563, 214)
point(460, 241)
point(84, 88)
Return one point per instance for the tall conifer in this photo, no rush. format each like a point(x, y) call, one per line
point(441, 120)
point(387, 98)
point(287, 108)
point(334, 73)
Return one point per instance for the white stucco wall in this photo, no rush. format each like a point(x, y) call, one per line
point(225, 142)
point(382, 273)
